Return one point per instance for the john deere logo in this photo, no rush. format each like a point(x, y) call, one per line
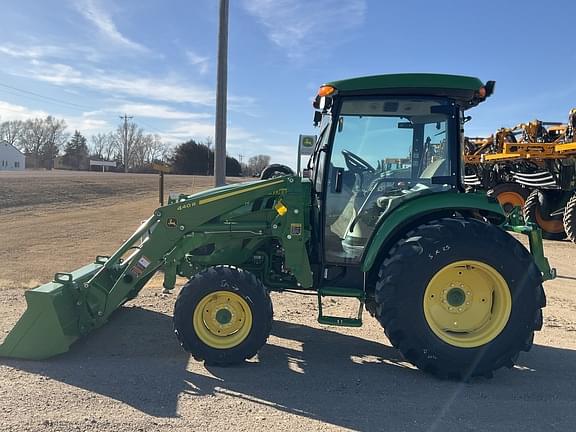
point(171, 222)
point(307, 141)
point(306, 144)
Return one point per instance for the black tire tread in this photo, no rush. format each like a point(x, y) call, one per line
point(570, 218)
point(531, 206)
point(390, 281)
point(268, 172)
point(185, 298)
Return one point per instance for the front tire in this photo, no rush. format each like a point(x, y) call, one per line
point(459, 298)
point(223, 315)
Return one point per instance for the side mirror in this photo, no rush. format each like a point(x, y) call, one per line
point(317, 118)
point(322, 103)
point(490, 86)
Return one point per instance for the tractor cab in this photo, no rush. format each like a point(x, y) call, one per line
point(384, 140)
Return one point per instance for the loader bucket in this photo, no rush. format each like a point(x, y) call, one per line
point(50, 323)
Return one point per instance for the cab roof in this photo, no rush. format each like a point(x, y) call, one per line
point(462, 88)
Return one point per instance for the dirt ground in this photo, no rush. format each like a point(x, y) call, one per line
point(131, 375)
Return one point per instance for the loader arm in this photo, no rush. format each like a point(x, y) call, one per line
point(229, 225)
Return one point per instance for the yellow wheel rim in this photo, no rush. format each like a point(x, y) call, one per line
point(467, 304)
point(222, 320)
point(509, 199)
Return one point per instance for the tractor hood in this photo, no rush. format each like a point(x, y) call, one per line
point(226, 191)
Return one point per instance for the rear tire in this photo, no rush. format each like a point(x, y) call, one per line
point(570, 218)
point(552, 226)
point(467, 329)
point(223, 315)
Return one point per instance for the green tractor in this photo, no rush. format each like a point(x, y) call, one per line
point(381, 216)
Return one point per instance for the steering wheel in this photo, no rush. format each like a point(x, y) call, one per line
point(356, 164)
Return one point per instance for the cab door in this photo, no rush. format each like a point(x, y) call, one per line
point(383, 151)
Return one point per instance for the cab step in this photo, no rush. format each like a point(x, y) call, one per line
point(341, 292)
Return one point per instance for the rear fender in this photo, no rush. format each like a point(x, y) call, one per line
point(415, 211)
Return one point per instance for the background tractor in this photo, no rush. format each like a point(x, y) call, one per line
point(383, 218)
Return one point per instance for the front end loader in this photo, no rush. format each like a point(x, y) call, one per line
point(383, 217)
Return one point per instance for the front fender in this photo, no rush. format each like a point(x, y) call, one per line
point(407, 214)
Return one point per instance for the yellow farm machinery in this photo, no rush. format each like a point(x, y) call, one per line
point(533, 166)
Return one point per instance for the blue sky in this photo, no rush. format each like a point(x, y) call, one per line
point(93, 60)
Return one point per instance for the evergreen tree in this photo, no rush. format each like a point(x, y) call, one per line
point(76, 151)
point(193, 157)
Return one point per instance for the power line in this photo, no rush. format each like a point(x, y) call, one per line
point(72, 105)
point(48, 98)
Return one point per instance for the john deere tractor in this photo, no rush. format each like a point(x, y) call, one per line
point(382, 217)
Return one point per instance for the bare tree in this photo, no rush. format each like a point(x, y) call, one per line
point(256, 164)
point(42, 139)
point(56, 138)
point(157, 150)
point(98, 143)
point(149, 149)
point(33, 136)
point(129, 136)
point(11, 132)
point(105, 145)
point(112, 147)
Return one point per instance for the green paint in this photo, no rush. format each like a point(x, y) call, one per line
point(238, 225)
point(534, 234)
point(341, 292)
point(461, 88)
point(232, 223)
point(408, 80)
point(418, 207)
point(50, 323)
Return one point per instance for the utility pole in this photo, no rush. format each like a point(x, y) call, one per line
point(125, 149)
point(221, 89)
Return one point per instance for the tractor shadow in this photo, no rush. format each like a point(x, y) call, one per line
point(319, 374)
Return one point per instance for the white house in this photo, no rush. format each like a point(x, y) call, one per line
point(11, 159)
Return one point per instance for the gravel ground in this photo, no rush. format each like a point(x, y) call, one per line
point(131, 375)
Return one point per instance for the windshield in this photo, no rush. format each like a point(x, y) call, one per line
point(400, 137)
point(384, 152)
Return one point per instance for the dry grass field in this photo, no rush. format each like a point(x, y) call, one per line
point(131, 375)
